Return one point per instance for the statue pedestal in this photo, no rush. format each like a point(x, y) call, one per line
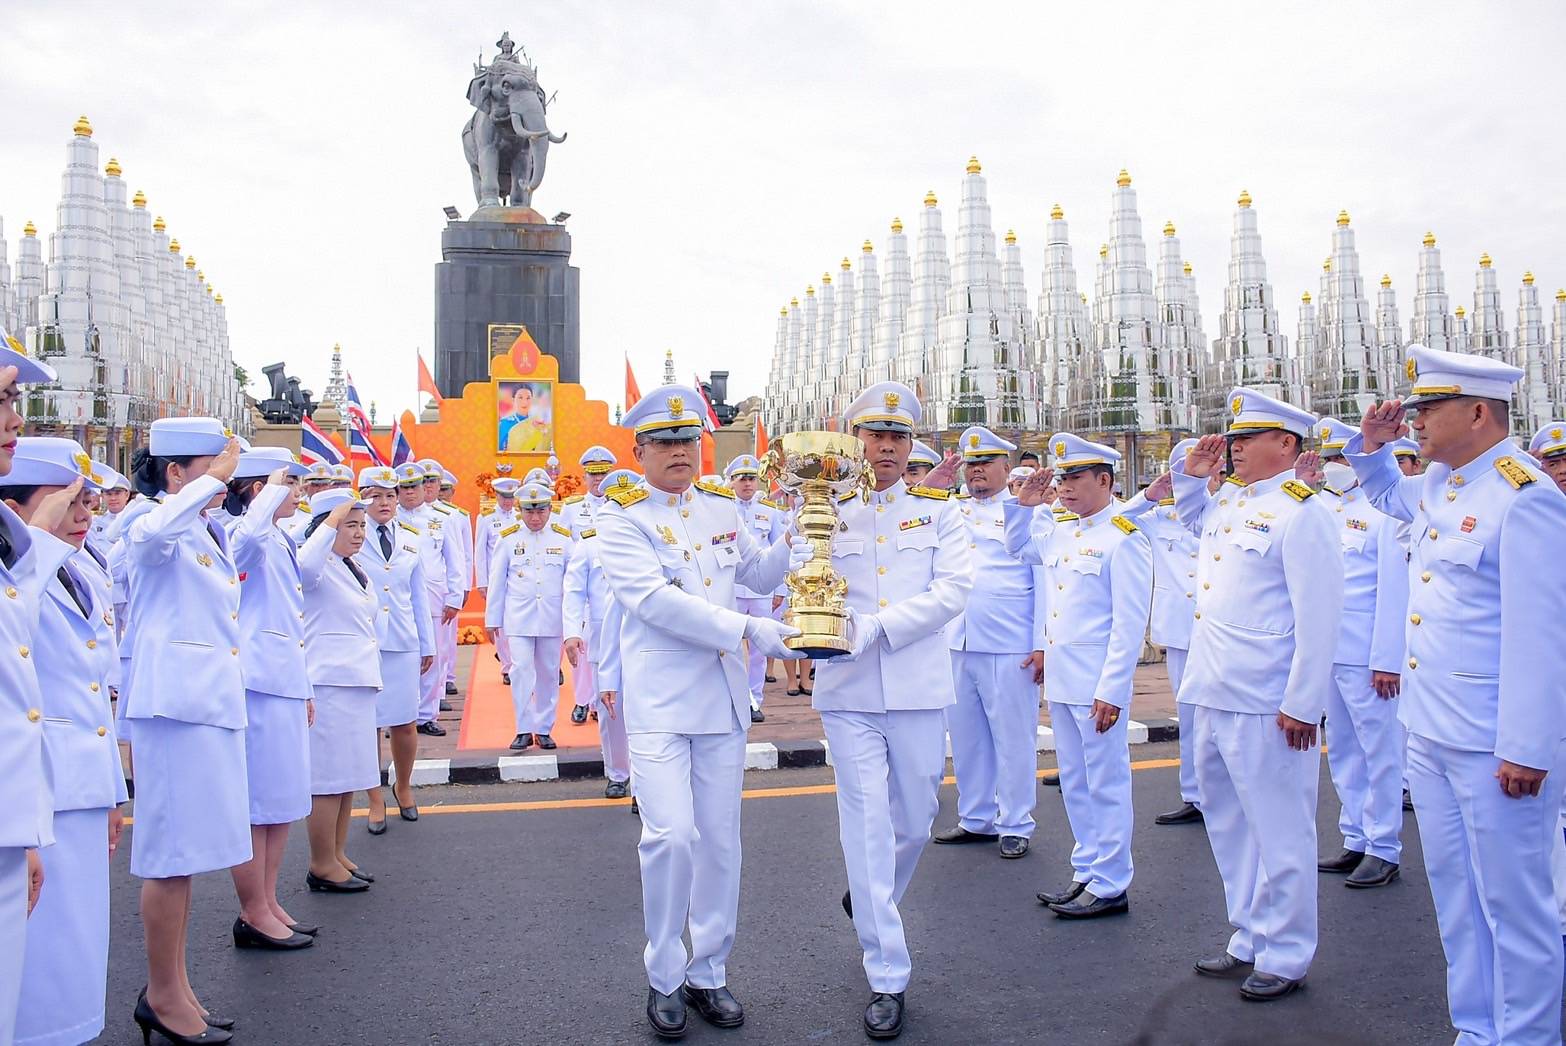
point(505, 265)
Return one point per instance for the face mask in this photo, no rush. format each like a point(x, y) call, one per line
point(1339, 477)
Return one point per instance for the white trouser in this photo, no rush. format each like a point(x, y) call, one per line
point(432, 684)
point(1095, 782)
point(1174, 664)
point(1558, 869)
point(688, 788)
point(13, 929)
point(888, 767)
point(503, 650)
point(994, 727)
point(449, 638)
point(1364, 752)
point(535, 683)
point(611, 732)
point(1259, 805)
point(584, 677)
point(755, 660)
point(1487, 857)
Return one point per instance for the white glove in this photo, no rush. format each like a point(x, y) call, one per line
point(863, 631)
point(800, 553)
point(767, 635)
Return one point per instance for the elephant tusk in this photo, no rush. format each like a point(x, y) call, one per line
point(558, 140)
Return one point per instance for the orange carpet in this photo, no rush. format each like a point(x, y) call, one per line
point(488, 720)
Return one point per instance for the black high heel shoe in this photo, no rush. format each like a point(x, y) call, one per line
point(409, 812)
point(226, 1023)
point(148, 1022)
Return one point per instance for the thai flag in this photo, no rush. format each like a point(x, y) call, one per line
point(709, 420)
point(356, 416)
point(362, 450)
point(402, 450)
point(316, 446)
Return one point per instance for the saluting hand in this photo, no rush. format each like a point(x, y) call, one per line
point(1037, 489)
point(1161, 488)
point(223, 466)
point(944, 475)
point(1308, 470)
point(1206, 457)
point(1300, 735)
point(335, 517)
point(277, 477)
point(52, 508)
point(1382, 424)
point(1518, 781)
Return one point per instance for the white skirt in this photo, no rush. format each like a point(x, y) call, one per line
point(66, 960)
point(397, 704)
point(192, 799)
point(342, 742)
point(122, 726)
point(277, 757)
point(13, 927)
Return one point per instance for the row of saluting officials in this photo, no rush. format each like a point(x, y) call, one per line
point(1375, 597)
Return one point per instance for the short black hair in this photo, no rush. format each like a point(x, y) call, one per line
point(19, 493)
point(1096, 470)
point(1027, 455)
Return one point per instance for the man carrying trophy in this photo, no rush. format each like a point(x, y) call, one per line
point(904, 557)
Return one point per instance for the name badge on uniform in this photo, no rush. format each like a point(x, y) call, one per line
point(724, 539)
point(518, 550)
point(1258, 526)
point(553, 551)
point(910, 524)
point(409, 548)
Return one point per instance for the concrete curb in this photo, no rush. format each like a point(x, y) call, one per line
point(578, 763)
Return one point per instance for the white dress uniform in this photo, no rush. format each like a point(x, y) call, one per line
point(186, 687)
point(404, 631)
point(526, 581)
point(1174, 596)
point(443, 586)
point(465, 533)
point(585, 600)
point(1488, 572)
point(672, 560)
point(994, 723)
point(909, 569)
point(767, 521)
point(272, 649)
point(344, 660)
point(1098, 571)
point(1365, 743)
point(491, 522)
point(1264, 631)
point(1549, 442)
point(578, 514)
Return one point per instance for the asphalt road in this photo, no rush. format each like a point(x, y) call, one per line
point(506, 925)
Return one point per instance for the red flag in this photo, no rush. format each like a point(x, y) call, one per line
point(761, 438)
point(632, 391)
point(710, 416)
point(427, 381)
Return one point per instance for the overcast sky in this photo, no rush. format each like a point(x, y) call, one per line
point(722, 155)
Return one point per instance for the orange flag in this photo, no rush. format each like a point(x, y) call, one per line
point(632, 391)
point(427, 381)
point(761, 438)
point(709, 452)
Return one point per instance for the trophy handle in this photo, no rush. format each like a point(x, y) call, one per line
point(771, 466)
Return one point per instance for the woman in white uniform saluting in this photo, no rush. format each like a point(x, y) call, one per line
point(345, 672)
point(185, 696)
point(263, 493)
point(66, 960)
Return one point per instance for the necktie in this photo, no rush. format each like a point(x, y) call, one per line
point(7, 552)
point(358, 575)
point(386, 542)
point(70, 586)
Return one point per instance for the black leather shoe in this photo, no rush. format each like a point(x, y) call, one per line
point(1372, 872)
point(522, 742)
point(148, 1022)
point(1408, 800)
point(1051, 778)
point(884, 1015)
point(1346, 861)
point(214, 1021)
point(431, 729)
point(756, 716)
point(308, 931)
point(772, 679)
point(1087, 906)
point(362, 875)
point(717, 1006)
point(451, 689)
point(848, 903)
point(320, 885)
point(247, 936)
point(1224, 965)
point(546, 742)
point(376, 827)
point(635, 809)
point(406, 811)
point(1013, 846)
point(615, 790)
point(505, 677)
point(960, 835)
point(579, 714)
point(1065, 896)
point(666, 1014)
point(1185, 815)
point(1265, 987)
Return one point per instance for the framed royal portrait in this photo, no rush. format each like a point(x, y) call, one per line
point(524, 417)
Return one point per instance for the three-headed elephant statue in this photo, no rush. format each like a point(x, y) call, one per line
point(507, 140)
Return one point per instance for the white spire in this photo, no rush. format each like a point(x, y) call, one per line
point(846, 312)
point(668, 365)
point(1345, 375)
point(1305, 334)
point(6, 310)
point(852, 378)
point(1184, 345)
point(1557, 357)
point(1431, 324)
point(1015, 282)
point(820, 354)
point(1489, 337)
point(1533, 392)
point(896, 291)
point(931, 278)
point(1250, 348)
point(1063, 330)
point(1389, 337)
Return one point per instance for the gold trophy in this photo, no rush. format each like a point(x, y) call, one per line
point(820, 467)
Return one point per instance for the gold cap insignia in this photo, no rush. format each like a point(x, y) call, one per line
point(385, 474)
point(973, 441)
point(84, 466)
point(892, 399)
point(623, 481)
point(1060, 448)
point(15, 344)
point(676, 406)
point(229, 433)
point(1237, 404)
point(1555, 433)
point(1411, 368)
point(1325, 432)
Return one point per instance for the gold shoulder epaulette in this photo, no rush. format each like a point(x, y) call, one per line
point(774, 504)
point(408, 527)
point(558, 529)
point(1513, 472)
point(590, 532)
point(1236, 480)
point(487, 512)
point(1166, 501)
point(573, 499)
point(1297, 490)
point(1123, 524)
point(1065, 517)
point(512, 529)
point(715, 488)
point(438, 507)
point(930, 492)
point(846, 495)
point(304, 506)
point(627, 498)
point(964, 497)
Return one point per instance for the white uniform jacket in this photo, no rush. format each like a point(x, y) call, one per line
point(906, 558)
point(443, 582)
point(26, 796)
point(340, 617)
point(456, 514)
point(119, 565)
point(1375, 583)
point(403, 621)
point(672, 561)
point(1270, 572)
point(1486, 552)
point(579, 512)
point(184, 592)
point(490, 524)
point(527, 579)
point(1099, 572)
point(1006, 608)
point(76, 651)
point(767, 522)
point(585, 595)
point(271, 601)
point(1174, 569)
point(604, 646)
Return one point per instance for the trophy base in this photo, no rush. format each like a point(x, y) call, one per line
point(818, 648)
point(821, 633)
